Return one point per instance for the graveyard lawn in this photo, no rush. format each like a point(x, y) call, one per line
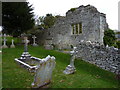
point(86, 75)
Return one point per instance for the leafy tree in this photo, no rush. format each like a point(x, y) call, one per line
point(47, 21)
point(109, 37)
point(17, 17)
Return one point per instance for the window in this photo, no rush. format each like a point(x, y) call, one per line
point(76, 28)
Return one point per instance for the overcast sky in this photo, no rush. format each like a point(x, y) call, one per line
point(60, 7)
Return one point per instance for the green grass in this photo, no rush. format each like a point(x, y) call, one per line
point(86, 75)
point(9, 40)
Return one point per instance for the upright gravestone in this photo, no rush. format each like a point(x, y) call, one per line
point(4, 42)
point(71, 68)
point(34, 43)
point(12, 45)
point(25, 55)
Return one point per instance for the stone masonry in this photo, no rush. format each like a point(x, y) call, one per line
point(107, 58)
point(93, 23)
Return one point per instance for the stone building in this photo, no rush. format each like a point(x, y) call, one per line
point(84, 23)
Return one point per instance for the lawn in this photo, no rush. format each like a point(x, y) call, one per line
point(86, 75)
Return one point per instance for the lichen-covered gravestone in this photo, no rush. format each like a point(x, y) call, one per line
point(43, 74)
point(71, 68)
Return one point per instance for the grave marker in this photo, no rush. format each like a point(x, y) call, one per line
point(12, 45)
point(25, 55)
point(34, 43)
point(71, 68)
point(4, 42)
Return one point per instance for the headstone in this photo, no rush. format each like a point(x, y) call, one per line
point(70, 69)
point(34, 43)
point(4, 42)
point(26, 41)
point(25, 55)
point(12, 45)
point(43, 74)
point(42, 70)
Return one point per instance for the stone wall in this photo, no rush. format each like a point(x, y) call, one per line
point(107, 58)
point(93, 26)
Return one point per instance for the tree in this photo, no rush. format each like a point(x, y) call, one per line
point(109, 37)
point(17, 17)
point(47, 21)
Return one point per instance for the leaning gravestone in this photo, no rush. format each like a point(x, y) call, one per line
point(4, 42)
point(34, 42)
point(12, 45)
point(41, 67)
point(43, 74)
point(71, 68)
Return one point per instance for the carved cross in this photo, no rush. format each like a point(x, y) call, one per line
point(73, 53)
point(4, 41)
point(26, 41)
point(34, 39)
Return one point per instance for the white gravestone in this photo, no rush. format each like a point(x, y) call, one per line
point(43, 75)
point(71, 68)
point(34, 43)
point(12, 45)
point(4, 42)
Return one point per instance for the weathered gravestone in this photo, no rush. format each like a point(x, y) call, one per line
point(41, 67)
point(25, 55)
point(4, 42)
point(71, 68)
point(12, 45)
point(34, 42)
point(43, 74)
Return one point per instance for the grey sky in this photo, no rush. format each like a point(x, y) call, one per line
point(60, 7)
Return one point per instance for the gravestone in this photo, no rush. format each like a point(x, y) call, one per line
point(12, 45)
point(70, 69)
point(43, 74)
point(42, 69)
point(25, 55)
point(4, 42)
point(34, 43)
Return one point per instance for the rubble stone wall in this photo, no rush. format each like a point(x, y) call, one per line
point(107, 58)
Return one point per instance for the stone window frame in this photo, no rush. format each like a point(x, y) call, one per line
point(76, 28)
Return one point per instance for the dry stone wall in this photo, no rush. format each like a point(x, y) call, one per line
point(107, 58)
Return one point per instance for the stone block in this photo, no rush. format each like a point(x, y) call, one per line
point(48, 47)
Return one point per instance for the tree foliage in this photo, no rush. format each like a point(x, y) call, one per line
point(47, 21)
point(17, 17)
point(109, 37)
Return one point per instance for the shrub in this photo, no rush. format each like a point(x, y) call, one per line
point(72, 9)
point(118, 44)
point(109, 37)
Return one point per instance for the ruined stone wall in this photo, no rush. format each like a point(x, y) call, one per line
point(93, 26)
point(106, 58)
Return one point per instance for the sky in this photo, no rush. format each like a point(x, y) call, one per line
point(60, 7)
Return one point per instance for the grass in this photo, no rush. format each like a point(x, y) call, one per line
point(86, 75)
point(9, 40)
